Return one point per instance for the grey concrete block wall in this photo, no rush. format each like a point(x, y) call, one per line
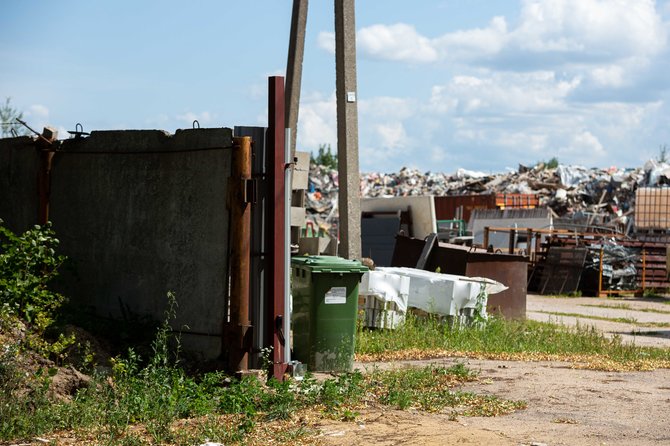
point(19, 165)
point(140, 213)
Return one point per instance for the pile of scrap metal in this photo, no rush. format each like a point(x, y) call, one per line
point(599, 265)
point(594, 196)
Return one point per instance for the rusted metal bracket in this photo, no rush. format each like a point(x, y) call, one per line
point(249, 190)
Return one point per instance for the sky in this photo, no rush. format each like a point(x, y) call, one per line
point(442, 84)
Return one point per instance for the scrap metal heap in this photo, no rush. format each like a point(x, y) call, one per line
point(597, 196)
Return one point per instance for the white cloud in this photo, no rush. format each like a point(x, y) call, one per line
point(317, 123)
point(502, 92)
point(593, 30)
point(387, 107)
point(479, 41)
point(610, 29)
point(586, 144)
point(38, 111)
point(391, 136)
point(326, 41)
point(204, 118)
point(399, 42)
point(608, 76)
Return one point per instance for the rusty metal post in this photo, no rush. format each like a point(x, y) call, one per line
point(644, 271)
point(240, 242)
point(512, 240)
point(43, 144)
point(276, 223)
point(600, 275)
point(486, 237)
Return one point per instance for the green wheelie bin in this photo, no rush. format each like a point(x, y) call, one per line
point(325, 306)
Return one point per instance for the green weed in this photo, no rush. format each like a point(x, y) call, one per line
point(500, 336)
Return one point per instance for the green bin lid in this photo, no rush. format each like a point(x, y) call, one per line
point(328, 264)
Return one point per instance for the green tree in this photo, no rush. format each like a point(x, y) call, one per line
point(8, 116)
point(325, 157)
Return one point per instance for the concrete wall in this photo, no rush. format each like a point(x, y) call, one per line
point(19, 165)
point(422, 210)
point(138, 213)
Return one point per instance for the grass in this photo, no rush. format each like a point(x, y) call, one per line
point(503, 339)
point(153, 401)
point(622, 320)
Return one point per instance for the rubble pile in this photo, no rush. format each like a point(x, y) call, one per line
point(599, 196)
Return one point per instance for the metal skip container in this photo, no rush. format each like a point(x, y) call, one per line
point(325, 305)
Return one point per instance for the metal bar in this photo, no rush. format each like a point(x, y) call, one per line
point(644, 270)
point(512, 240)
point(427, 250)
point(600, 274)
point(288, 177)
point(43, 144)
point(276, 271)
point(259, 215)
point(240, 242)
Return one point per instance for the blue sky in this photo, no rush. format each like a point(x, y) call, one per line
point(442, 84)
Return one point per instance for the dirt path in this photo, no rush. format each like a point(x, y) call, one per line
point(565, 406)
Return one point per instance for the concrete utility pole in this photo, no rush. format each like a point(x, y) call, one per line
point(296, 52)
point(347, 130)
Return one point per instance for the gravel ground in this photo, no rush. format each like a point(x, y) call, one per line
point(566, 406)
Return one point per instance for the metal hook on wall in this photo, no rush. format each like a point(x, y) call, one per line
point(196, 123)
point(78, 131)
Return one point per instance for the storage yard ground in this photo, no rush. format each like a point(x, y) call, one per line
point(566, 406)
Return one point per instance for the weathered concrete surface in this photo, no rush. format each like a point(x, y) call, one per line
point(347, 130)
point(138, 213)
point(19, 165)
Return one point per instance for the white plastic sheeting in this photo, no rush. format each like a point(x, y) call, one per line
point(441, 294)
point(384, 298)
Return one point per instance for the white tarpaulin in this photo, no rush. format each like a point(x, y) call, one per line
point(446, 294)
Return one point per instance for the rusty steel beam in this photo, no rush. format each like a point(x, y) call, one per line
point(44, 144)
point(276, 224)
point(240, 240)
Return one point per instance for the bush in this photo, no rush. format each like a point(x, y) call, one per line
point(27, 263)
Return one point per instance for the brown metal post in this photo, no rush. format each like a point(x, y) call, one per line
point(276, 224)
point(600, 275)
point(486, 237)
point(240, 243)
point(512, 240)
point(43, 144)
point(644, 271)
